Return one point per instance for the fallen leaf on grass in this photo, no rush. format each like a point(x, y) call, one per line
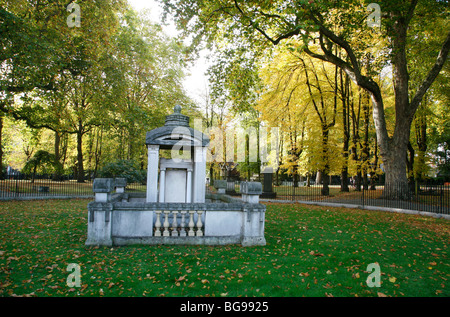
point(24, 295)
point(181, 278)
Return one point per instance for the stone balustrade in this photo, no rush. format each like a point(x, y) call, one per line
point(117, 218)
point(178, 223)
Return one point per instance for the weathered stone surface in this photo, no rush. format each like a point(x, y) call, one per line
point(226, 221)
point(175, 209)
point(251, 188)
point(120, 182)
point(103, 185)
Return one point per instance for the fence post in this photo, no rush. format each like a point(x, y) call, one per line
point(17, 186)
point(293, 190)
point(362, 196)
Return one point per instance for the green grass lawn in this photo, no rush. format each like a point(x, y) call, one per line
point(310, 251)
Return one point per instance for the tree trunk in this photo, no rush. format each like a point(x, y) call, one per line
point(98, 151)
point(396, 184)
point(410, 165)
point(318, 177)
point(365, 151)
point(58, 167)
point(374, 166)
point(325, 158)
point(345, 87)
point(1, 151)
point(80, 168)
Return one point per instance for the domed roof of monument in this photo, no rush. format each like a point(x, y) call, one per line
point(176, 130)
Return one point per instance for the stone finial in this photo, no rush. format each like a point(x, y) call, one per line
point(176, 118)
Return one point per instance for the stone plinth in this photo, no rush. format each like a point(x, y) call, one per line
point(250, 192)
point(220, 185)
point(120, 184)
point(224, 220)
point(103, 187)
point(267, 181)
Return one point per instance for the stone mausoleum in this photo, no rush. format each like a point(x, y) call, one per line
point(175, 208)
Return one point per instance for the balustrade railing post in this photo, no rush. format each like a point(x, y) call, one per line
point(182, 225)
point(174, 223)
point(166, 232)
point(158, 224)
point(191, 223)
point(199, 223)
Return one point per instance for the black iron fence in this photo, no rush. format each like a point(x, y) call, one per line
point(428, 196)
point(26, 186)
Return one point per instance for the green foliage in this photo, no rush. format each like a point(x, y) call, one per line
point(42, 162)
point(98, 87)
point(335, 32)
point(124, 169)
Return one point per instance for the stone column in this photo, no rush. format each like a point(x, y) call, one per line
point(199, 174)
point(152, 173)
point(189, 186)
point(162, 185)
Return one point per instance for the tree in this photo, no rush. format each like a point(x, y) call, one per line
point(143, 69)
point(39, 47)
point(302, 98)
point(336, 24)
point(42, 160)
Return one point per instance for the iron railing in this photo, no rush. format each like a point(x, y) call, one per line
point(425, 196)
point(430, 196)
point(19, 186)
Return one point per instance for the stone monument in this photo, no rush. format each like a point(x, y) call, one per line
point(175, 208)
point(267, 181)
point(180, 180)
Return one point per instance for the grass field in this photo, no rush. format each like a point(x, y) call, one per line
point(310, 251)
